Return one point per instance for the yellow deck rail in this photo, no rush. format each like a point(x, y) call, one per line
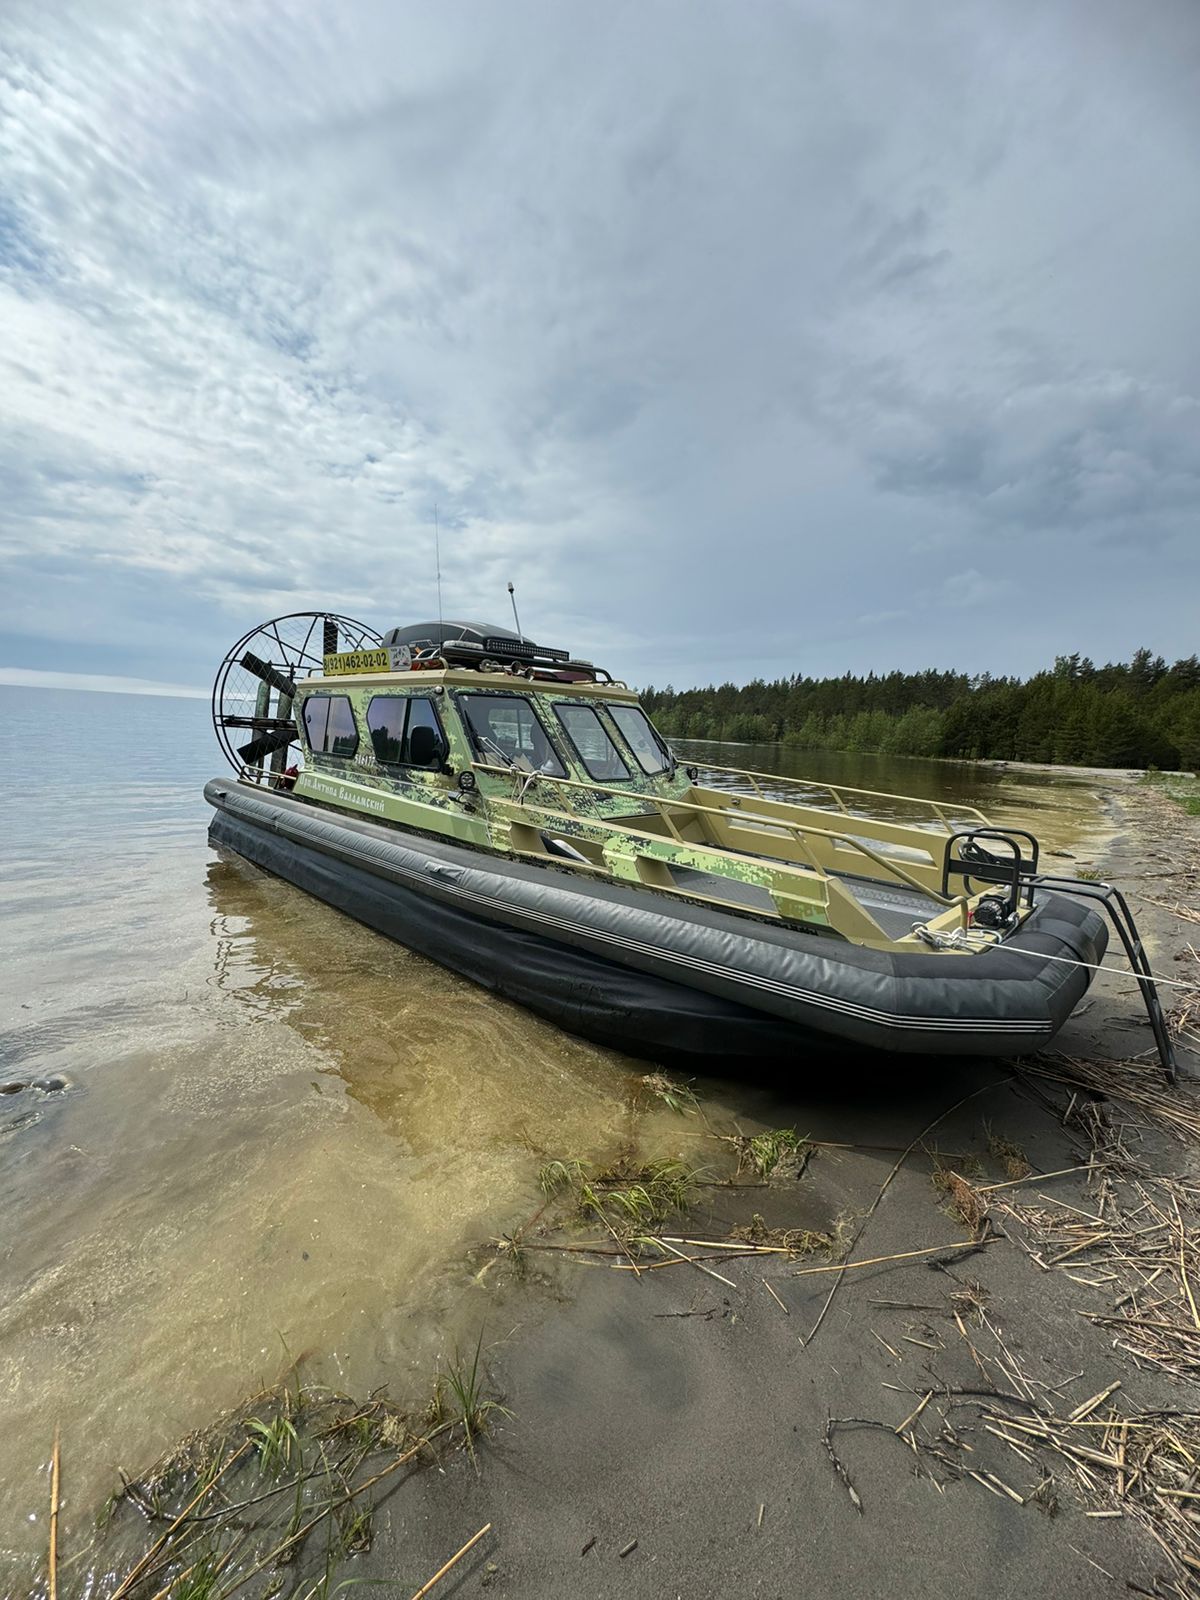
point(704, 854)
point(944, 814)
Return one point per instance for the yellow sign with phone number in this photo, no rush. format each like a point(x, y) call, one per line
point(346, 661)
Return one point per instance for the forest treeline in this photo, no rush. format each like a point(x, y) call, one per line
point(1137, 713)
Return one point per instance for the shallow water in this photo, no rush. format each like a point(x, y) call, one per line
point(280, 1134)
point(1057, 810)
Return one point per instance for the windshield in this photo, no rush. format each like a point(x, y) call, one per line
point(652, 755)
point(508, 730)
point(595, 749)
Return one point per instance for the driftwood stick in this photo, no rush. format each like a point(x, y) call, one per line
point(878, 1261)
point(54, 1476)
point(843, 1475)
point(907, 1151)
point(457, 1556)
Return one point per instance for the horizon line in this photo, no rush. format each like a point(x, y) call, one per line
point(95, 683)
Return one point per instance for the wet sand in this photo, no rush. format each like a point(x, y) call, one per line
point(685, 1414)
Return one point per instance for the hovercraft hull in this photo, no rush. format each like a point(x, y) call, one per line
point(660, 977)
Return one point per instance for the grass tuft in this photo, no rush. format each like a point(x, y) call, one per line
point(459, 1399)
point(201, 1581)
point(556, 1176)
point(655, 1193)
point(277, 1444)
point(680, 1097)
point(765, 1152)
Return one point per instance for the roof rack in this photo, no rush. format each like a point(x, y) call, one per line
point(481, 644)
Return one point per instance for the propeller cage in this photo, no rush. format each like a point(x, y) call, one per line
point(254, 689)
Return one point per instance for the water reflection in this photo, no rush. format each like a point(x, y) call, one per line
point(1057, 808)
point(438, 1060)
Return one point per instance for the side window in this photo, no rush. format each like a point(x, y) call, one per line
point(652, 755)
point(509, 732)
point(425, 744)
point(329, 723)
point(385, 724)
point(595, 749)
point(316, 718)
point(341, 737)
point(417, 742)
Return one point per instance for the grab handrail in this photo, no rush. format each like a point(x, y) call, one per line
point(838, 790)
point(796, 830)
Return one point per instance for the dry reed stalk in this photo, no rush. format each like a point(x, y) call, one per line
point(879, 1261)
point(1138, 1085)
point(776, 1298)
point(1030, 1177)
point(694, 1262)
point(454, 1559)
point(744, 1245)
point(55, 1462)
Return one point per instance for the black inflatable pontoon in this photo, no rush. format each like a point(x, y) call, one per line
point(616, 964)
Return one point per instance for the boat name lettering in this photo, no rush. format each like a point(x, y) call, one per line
point(347, 798)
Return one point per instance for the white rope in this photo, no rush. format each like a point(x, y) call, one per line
point(1088, 966)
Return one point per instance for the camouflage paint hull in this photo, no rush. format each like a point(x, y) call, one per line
point(655, 976)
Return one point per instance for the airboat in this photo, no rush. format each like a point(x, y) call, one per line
point(510, 811)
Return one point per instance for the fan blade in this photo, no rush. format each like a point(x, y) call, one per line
point(331, 636)
point(268, 674)
point(266, 744)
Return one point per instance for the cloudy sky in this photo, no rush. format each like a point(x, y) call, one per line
point(747, 337)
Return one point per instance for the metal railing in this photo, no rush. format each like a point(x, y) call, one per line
point(946, 816)
point(800, 833)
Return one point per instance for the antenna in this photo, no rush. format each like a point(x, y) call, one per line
point(437, 556)
point(516, 618)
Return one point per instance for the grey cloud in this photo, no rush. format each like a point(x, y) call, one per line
point(738, 336)
point(1063, 454)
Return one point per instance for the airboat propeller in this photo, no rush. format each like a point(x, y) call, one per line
point(256, 684)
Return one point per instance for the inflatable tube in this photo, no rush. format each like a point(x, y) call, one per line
point(657, 975)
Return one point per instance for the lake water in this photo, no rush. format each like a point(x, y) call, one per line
point(278, 1135)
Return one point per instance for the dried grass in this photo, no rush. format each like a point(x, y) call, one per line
point(1141, 1464)
point(1011, 1157)
point(1137, 1234)
point(1184, 1019)
point(1136, 1084)
point(792, 1241)
point(960, 1199)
